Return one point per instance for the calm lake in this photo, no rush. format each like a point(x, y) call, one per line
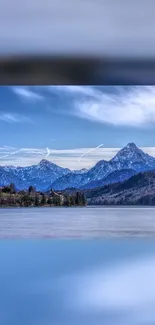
point(87, 222)
point(77, 282)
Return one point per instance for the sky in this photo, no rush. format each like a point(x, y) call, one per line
point(74, 126)
point(101, 27)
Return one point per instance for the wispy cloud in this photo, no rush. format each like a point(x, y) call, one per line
point(8, 118)
point(89, 151)
point(135, 107)
point(124, 106)
point(26, 93)
point(118, 106)
point(67, 158)
point(13, 118)
point(85, 90)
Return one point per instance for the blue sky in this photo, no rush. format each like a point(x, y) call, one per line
point(70, 120)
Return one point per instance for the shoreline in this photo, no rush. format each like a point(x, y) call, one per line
point(108, 206)
point(40, 207)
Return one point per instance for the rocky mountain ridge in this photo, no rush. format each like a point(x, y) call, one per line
point(127, 162)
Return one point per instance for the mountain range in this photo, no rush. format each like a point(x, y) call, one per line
point(137, 190)
point(128, 162)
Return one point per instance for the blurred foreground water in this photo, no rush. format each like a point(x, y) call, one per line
point(65, 282)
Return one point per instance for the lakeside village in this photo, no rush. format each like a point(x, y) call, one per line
point(10, 197)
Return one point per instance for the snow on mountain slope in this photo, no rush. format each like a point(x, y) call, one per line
point(130, 157)
point(114, 177)
point(40, 175)
point(48, 175)
point(133, 157)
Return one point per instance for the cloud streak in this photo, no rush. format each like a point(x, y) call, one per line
point(131, 106)
point(124, 106)
point(88, 152)
point(8, 117)
point(26, 93)
point(67, 158)
point(13, 118)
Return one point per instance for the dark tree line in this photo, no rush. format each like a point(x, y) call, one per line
point(9, 196)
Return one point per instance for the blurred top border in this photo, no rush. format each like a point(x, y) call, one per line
point(40, 70)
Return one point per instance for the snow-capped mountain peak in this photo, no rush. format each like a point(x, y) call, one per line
point(44, 164)
point(131, 156)
point(46, 174)
point(40, 175)
point(131, 146)
point(128, 151)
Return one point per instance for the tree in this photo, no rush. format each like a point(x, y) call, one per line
point(49, 201)
point(43, 200)
point(72, 200)
point(26, 200)
point(56, 200)
point(31, 189)
point(77, 198)
point(6, 189)
point(83, 200)
point(12, 188)
point(36, 202)
point(67, 201)
point(80, 199)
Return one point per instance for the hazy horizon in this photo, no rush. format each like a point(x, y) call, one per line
point(82, 157)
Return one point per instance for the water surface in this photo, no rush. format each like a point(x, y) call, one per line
point(89, 222)
point(86, 282)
